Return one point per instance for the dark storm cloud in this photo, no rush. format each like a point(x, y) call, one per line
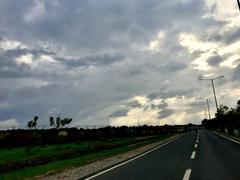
point(197, 103)
point(9, 67)
point(168, 93)
point(120, 113)
point(134, 104)
point(214, 60)
point(165, 113)
point(124, 112)
point(93, 60)
point(95, 24)
point(175, 66)
point(163, 110)
point(153, 96)
point(233, 36)
point(25, 102)
point(227, 37)
point(169, 65)
point(153, 107)
point(163, 105)
point(19, 51)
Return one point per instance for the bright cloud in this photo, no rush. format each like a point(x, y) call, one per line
point(25, 59)
point(9, 124)
point(8, 45)
point(208, 49)
point(193, 43)
point(222, 10)
point(155, 45)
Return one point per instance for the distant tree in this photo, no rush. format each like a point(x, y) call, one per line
point(238, 106)
point(29, 124)
point(33, 123)
point(222, 112)
point(59, 122)
point(51, 120)
point(65, 121)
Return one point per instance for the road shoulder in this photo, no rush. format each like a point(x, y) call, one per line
point(229, 137)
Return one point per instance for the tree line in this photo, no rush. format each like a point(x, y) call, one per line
point(24, 137)
point(226, 120)
point(53, 122)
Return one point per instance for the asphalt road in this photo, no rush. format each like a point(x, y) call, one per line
point(205, 156)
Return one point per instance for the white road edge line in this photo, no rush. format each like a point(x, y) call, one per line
point(187, 174)
point(195, 145)
point(196, 141)
point(226, 137)
point(193, 154)
point(132, 159)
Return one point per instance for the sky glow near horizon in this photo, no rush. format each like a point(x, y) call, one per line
point(126, 63)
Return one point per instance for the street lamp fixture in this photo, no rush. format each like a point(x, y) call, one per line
point(214, 92)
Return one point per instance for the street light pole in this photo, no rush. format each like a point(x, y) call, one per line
point(214, 92)
point(238, 4)
point(209, 114)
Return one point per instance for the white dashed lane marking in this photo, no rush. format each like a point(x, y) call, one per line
point(187, 174)
point(188, 171)
point(193, 154)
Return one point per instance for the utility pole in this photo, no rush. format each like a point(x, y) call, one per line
point(214, 92)
point(108, 121)
point(209, 114)
point(205, 113)
point(138, 119)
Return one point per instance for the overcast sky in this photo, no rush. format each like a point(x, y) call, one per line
point(126, 62)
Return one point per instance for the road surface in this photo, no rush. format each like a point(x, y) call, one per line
point(202, 156)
